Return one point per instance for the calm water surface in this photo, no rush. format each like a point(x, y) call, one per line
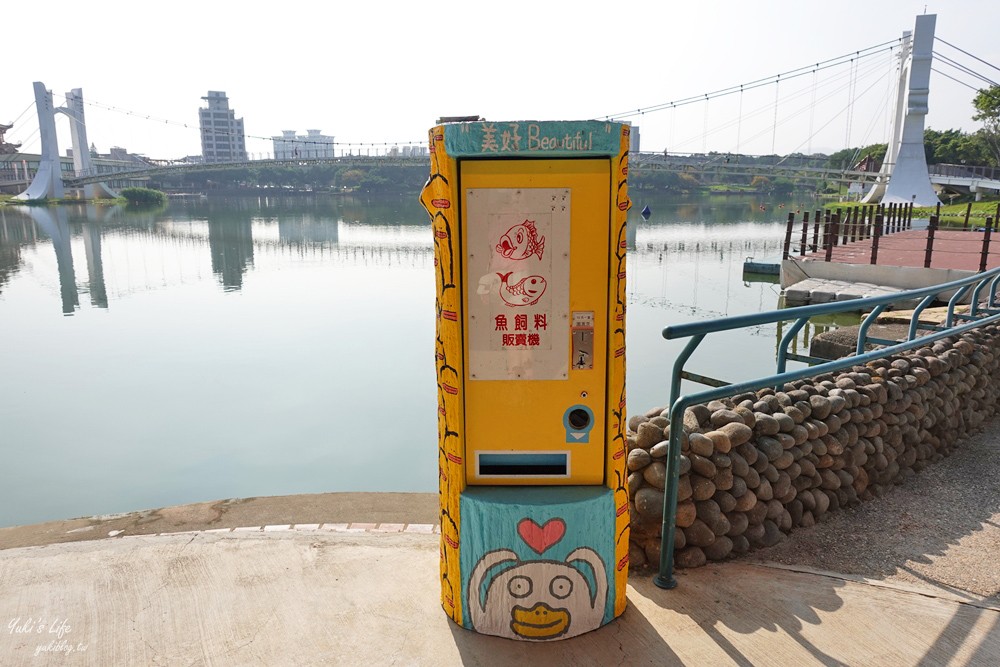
point(245, 347)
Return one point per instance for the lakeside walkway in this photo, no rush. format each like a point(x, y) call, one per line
point(953, 249)
point(911, 578)
point(304, 598)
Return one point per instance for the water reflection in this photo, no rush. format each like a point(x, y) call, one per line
point(231, 245)
point(95, 264)
point(236, 232)
point(55, 224)
point(248, 346)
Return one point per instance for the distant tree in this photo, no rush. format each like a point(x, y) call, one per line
point(760, 183)
point(954, 147)
point(143, 197)
point(350, 178)
point(782, 187)
point(987, 104)
point(688, 182)
point(850, 157)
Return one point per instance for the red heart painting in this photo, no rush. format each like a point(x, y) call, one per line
point(540, 538)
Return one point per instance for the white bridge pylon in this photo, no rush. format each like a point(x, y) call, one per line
point(47, 183)
point(904, 178)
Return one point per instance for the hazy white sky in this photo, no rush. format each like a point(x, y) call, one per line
point(378, 71)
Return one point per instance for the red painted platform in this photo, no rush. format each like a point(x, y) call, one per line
point(953, 249)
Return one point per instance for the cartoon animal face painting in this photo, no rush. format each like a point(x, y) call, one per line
point(521, 241)
point(524, 292)
point(537, 600)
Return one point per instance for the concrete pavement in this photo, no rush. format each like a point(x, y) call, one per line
point(307, 597)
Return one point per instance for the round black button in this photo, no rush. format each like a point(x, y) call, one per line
point(579, 419)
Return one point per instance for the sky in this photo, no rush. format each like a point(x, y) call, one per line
point(379, 72)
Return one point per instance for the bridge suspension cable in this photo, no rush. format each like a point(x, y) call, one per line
point(962, 68)
point(948, 76)
point(738, 88)
point(815, 96)
point(298, 141)
point(967, 53)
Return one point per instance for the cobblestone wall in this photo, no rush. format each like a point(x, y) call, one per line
point(755, 467)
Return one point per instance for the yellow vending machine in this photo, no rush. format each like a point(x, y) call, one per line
point(528, 221)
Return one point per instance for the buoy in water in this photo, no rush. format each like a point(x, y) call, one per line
point(645, 212)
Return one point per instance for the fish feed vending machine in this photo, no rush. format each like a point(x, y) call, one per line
point(529, 254)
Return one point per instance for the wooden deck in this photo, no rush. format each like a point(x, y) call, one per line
point(953, 249)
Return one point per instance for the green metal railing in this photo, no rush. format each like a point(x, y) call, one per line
point(696, 331)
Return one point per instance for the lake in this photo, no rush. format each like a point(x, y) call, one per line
point(237, 347)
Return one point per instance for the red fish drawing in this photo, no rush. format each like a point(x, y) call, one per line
point(524, 292)
point(521, 241)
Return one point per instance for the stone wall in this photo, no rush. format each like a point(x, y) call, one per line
point(755, 467)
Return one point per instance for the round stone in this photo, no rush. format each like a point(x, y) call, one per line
point(722, 417)
point(649, 503)
point(772, 534)
point(820, 406)
point(702, 466)
point(638, 459)
point(660, 449)
point(700, 444)
point(766, 424)
point(634, 483)
point(699, 534)
point(702, 489)
point(636, 556)
point(740, 544)
point(686, 514)
point(655, 474)
point(725, 500)
point(739, 464)
point(738, 433)
point(719, 549)
point(720, 441)
point(690, 557)
point(769, 447)
point(738, 523)
point(634, 421)
point(648, 434)
point(785, 423)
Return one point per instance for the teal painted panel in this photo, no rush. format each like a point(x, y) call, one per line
point(537, 552)
point(530, 138)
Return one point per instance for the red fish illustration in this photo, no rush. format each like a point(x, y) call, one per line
point(525, 292)
point(521, 241)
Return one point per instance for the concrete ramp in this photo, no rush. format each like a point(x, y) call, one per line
point(822, 290)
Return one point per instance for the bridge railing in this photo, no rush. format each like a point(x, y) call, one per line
point(964, 171)
point(955, 323)
point(156, 168)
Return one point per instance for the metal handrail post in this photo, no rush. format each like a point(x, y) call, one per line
point(865, 324)
point(991, 302)
point(785, 340)
point(974, 299)
point(952, 302)
point(669, 524)
point(915, 318)
point(675, 376)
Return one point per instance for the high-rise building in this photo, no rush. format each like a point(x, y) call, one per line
point(222, 136)
point(313, 144)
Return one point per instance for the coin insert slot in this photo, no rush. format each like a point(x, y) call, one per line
point(523, 465)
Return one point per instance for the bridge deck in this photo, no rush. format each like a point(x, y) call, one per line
point(953, 249)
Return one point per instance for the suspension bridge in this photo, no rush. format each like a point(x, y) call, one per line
point(904, 176)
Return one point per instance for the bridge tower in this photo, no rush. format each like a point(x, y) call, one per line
point(904, 177)
point(47, 182)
